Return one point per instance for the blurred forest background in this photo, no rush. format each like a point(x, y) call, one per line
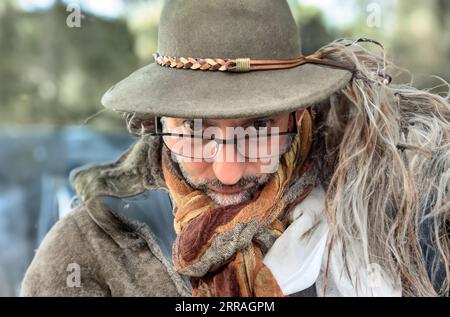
point(53, 74)
point(52, 77)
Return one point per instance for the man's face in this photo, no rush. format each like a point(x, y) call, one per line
point(229, 178)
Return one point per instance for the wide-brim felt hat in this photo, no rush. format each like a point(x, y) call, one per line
point(199, 39)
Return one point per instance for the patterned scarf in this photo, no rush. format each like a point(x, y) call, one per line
point(222, 248)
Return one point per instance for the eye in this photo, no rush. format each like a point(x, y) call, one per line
point(262, 123)
point(192, 126)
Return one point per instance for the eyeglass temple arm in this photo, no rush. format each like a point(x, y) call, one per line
point(292, 114)
point(157, 119)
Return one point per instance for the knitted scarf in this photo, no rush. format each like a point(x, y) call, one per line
point(221, 248)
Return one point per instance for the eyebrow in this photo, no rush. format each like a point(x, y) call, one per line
point(208, 121)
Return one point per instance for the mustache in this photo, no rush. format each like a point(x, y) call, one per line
point(254, 181)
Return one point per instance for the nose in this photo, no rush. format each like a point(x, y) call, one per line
point(228, 165)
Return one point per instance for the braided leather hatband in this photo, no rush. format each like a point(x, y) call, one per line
point(241, 65)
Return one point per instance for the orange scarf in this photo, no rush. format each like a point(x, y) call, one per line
point(222, 247)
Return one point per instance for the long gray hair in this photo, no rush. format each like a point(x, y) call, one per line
point(389, 194)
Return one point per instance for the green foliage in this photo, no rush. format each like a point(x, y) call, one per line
point(50, 73)
point(53, 74)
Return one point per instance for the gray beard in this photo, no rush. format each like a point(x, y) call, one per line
point(232, 199)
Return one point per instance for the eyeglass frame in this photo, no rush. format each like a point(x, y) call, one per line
point(218, 141)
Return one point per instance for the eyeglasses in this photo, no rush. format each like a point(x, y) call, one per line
point(251, 143)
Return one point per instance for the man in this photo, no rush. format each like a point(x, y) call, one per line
point(287, 175)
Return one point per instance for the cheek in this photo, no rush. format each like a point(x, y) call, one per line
point(253, 168)
point(198, 169)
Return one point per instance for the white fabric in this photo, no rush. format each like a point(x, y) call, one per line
point(364, 282)
point(298, 258)
point(295, 259)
